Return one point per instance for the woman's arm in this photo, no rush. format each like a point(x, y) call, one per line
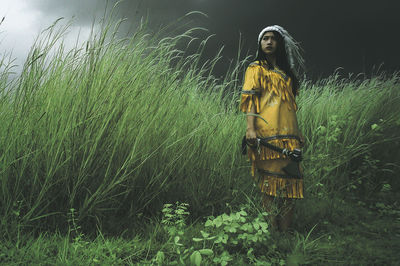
point(251, 131)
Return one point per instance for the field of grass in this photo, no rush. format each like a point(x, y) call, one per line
point(94, 141)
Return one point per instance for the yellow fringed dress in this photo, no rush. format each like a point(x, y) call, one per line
point(271, 93)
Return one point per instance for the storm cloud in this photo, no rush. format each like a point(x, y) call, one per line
point(354, 35)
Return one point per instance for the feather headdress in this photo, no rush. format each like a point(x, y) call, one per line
point(293, 49)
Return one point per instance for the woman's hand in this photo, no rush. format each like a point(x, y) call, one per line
point(251, 135)
point(302, 141)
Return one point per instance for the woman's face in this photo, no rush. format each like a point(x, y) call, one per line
point(269, 43)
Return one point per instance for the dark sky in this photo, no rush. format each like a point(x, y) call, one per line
point(355, 35)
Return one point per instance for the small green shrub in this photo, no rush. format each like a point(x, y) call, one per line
point(174, 218)
point(221, 237)
point(173, 222)
point(236, 232)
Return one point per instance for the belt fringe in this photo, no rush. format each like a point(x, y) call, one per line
point(281, 187)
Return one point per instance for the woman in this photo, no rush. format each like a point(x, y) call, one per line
point(269, 92)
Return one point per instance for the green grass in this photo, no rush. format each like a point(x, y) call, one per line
point(118, 127)
point(114, 128)
point(356, 234)
point(346, 120)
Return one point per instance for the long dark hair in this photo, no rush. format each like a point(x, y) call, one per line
point(281, 61)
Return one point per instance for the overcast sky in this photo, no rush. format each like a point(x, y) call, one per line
point(354, 35)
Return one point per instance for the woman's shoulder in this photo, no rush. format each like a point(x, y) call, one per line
point(256, 63)
point(260, 65)
point(263, 67)
point(255, 67)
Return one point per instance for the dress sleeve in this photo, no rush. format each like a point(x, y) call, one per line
point(251, 91)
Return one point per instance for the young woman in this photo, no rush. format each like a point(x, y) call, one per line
point(269, 92)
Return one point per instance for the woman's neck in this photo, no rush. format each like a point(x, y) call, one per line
point(271, 59)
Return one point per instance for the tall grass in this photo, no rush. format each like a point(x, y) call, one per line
point(118, 127)
point(344, 120)
point(114, 128)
